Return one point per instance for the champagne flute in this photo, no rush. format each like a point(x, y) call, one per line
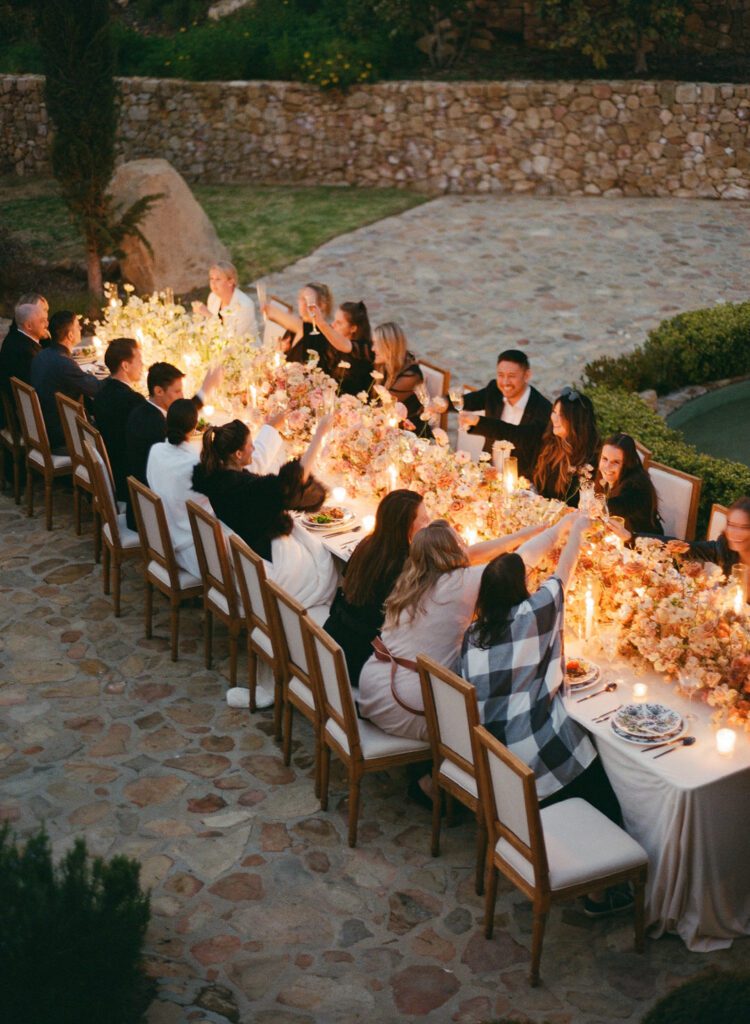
point(456, 396)
point(313, 312)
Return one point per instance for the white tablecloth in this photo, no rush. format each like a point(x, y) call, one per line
point(688, 810)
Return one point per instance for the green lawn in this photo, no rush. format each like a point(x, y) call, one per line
point(264, 228)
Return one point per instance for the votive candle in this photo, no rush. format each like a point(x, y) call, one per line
point(738, 602)
point(392, 477)
point(589, 605)
point(640, 691)
point(368, 523)
point(338, 494)
point(253, 396)
point(725, 741)
point(470, 535)
point(510, 474)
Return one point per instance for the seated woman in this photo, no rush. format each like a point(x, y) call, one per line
point(513, 655)
point(226, 302)
point(300, 337)
point(401, 372)
point(349, 336)
point(257, 509)
point(428, 610)
point(731, 548)
point(357, 611)
point(627, 487)
point(570, 442)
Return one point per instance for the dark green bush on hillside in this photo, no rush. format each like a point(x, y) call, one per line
point(71, 936)
point(693, 348)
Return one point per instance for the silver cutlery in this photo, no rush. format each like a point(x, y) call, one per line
point(606, 714)
point(609, 688)
point(685, 741)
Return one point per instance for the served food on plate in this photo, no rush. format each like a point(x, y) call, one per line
point(328, 515)
point(577, 669)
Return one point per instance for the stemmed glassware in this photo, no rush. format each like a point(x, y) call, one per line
point(456, 396)
point(313, 312)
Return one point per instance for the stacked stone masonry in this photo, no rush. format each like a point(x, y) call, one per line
point(635, 138)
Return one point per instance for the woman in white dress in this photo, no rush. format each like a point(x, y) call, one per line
point(427, 612)
point(226, 302)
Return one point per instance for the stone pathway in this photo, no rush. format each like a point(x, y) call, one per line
point(261, 912)
point(565, 279)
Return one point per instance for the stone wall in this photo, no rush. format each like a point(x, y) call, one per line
point(588, 137)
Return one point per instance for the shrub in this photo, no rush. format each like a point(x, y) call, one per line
point(70, 936)
point(719, 998)
point(693, 348)
point(723, 481)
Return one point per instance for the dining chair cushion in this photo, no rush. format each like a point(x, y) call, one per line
point(58, 461)
point(374, 742)
point(218, 599)
point(582, 846)
point(82, 473)
point(303, 691)
point(263, 641)
point(185, 579)
point(8, 437)
point(450, 770)
point(319, 613)
point(128, 538)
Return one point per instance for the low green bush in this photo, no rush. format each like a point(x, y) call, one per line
point(71, 936)
point(621, 410)
point(697, 347)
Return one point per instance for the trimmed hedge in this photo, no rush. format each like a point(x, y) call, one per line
point(723, 481)
point(697, 347)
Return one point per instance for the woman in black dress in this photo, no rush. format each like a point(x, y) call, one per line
point(302, 335)
point(627, 487)
point(570, 442)
point(401, 372)
point(357, 610)
point(349, 338)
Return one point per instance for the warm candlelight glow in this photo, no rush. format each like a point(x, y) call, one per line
point(338, 494)
point(189, 359)
point(725, 741)
point(368, 523)
point(640, 691)
point(392, 478)
point(139, 335)
point(208, 410)
point(738, 601)
point(589, 603)
point(253, 396)
point(97, 343)
point(277, 360)
point(393, 421)
point(470, 535)
point(510, 474)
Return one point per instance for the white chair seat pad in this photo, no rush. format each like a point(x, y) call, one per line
point(8, 438)
point(582, 846)
point(82, 474)
point(303, 691)
point(374, 742)
point(450, 770)
point(186, 580)
point(58, 461)
point(217, 599)
point(262, 640)
point(128, 538)
point(319, 613)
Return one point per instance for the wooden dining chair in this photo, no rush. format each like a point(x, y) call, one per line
point(437, 381)
point(160, 567)
point(11, 439)
point(39, 457)
point(273, 332)
point(69, 412)
point(466, 442)
point(644, 453)
point(678, 495)
point(717, 521)
point(250, 573)
point(220, 598)
point(88, 432)
point(120, 542)
point(551, 855)
point(297, 690)
point(451, 711)
point(361, 745)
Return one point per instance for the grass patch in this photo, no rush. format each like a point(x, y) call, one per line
point(264, 228)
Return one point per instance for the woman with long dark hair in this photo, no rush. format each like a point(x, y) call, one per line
point(570, 442)
point(350, 338)
point(732, 546)
point(357, 611)
point(627, 487)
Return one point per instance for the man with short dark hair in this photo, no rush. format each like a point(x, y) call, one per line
point(513, 410)
point(23, 341)
point(114, 403)
point(54, 369)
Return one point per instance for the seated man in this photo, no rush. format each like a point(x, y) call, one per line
point(54, 369)
point(115, 401)
point(23, 341)
point(147, 422)
point(513, 410)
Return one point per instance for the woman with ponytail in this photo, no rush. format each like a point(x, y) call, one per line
point(349, 340)
point(302, 335)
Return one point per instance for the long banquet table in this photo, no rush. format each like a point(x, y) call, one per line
point(689, 810)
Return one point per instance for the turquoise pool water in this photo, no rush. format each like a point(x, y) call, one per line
point(718, 423)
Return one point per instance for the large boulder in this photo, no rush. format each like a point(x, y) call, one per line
point(183, 241)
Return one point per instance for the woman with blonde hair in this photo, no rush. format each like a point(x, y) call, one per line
point(401, 372)
point(428, 611)
point(226, 302)
point(302, 334)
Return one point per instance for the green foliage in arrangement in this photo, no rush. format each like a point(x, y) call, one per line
point(698, 347)
point(600, 30)
point(71, 936)
point(620, 410)
point(722, 997)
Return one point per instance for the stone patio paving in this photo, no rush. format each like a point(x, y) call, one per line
point(260, 910)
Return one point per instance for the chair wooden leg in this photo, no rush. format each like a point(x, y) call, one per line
point(354, 787)
point(436, 794)
point(490, 895)
point(106, 568)
point(287, 747)
point(208, 635)
point(77, 509)
point(97, 536)
point(149, 609)
point(29, 491)
point(325, 768)
point(450, 809)
point(318, 757)
point(17, 480)
point(278, 703)
point(639, 898)
point(234, 642)
point(252, 672)
point(540, 919)
point(48, 501)
point(481, 854)
point(174, 625)
point(116, 581)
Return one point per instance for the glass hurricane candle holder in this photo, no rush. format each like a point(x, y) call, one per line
point(726, 740)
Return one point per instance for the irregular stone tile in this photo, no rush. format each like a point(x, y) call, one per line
point(206, 766)
point(270, 770)
point(87, 724)
point(432, 946)
point(408, 909)
point(257, 976)
point(206, 804)
point(483, 956)
point(274, 837)
point(239, 886)
point(154, 869)
point(170, 828)
point(155, 790)
point(90, 773)
point(420, 990)
point(227, 819)
point(218, 999)
point(183, 885)
point(232, 782)
point(217, 744)
point(115, 742)
point(216, 950)
point(148, 692)
point(150, 721)
point(473, 1011)
point(68, 573)
point(165, 738)
point(209, 858)
point(90, 813)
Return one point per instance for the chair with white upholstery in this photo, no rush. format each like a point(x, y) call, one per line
point(362, 746)
point(466, 442)
point(565, 850)
point(120, 543)
point(437, 381)
point(678, 495)
point(250, 573)
point(160, 567)
point(39, 457)
point(88, 432)
point(451, 711)
point(69, 411)
point(11, 440)
point(644, 453)
point(219, 593)
point(273, 332)
point(287, 616)
point(717, 521)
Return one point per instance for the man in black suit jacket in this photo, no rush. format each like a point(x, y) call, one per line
point(513, 410)
point(115, 401)
point(147, 422)
point(22, 342)
point(54, 369)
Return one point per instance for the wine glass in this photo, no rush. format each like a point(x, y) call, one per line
point(313, 313)
point(689, 684)
point(456, 396)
